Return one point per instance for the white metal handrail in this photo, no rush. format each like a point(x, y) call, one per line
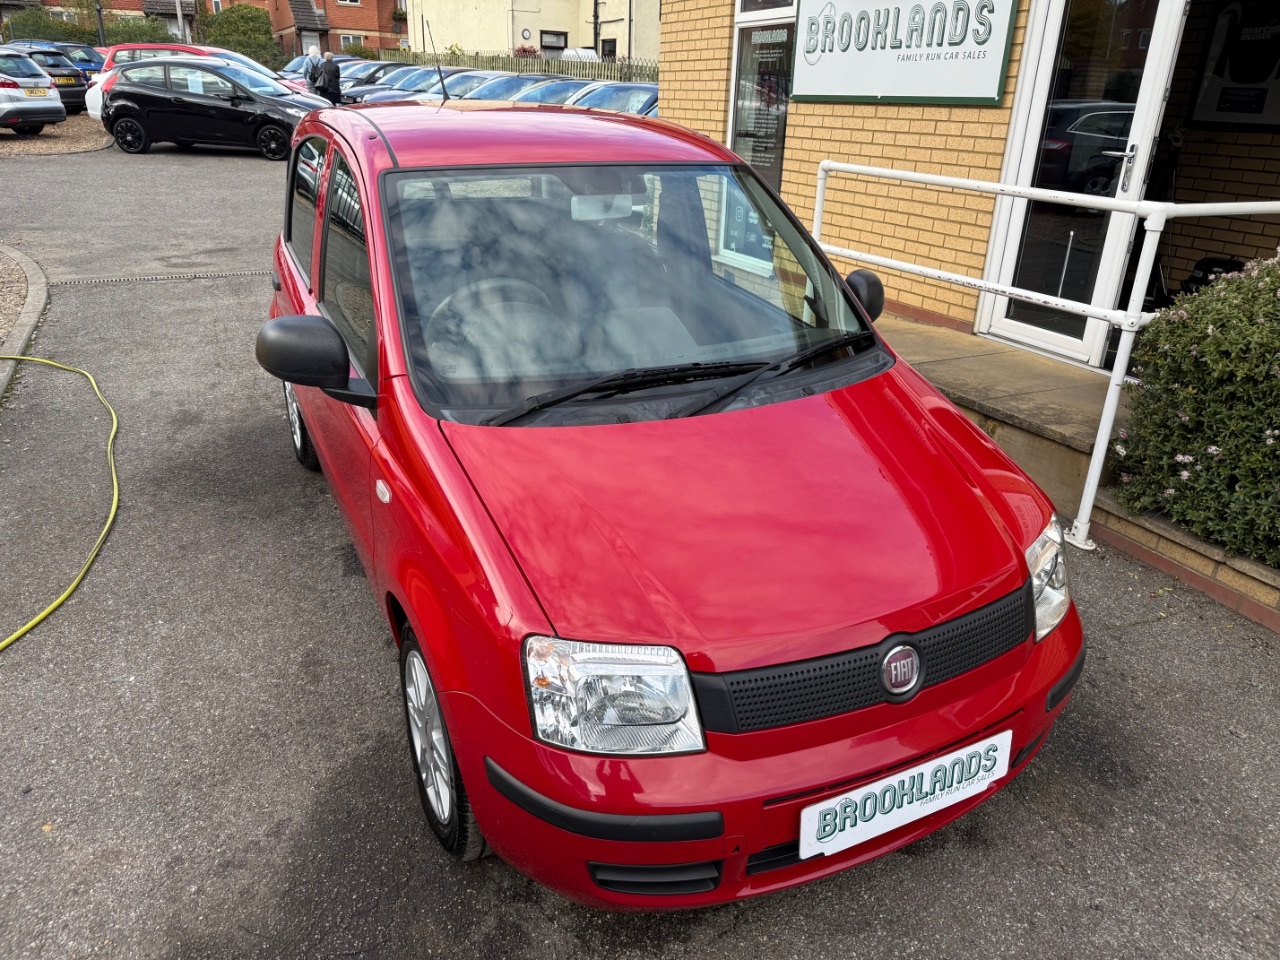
point(1129, 321)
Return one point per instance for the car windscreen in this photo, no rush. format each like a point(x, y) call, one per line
point(516, 281)
point(624, 97)
point(255, 82)
point(461, 84)
point(503, 88)
point(12, 66)
point(358, 70)
point(247, 62)
point(556, 91)
point(81, 55)
point(392, 77)
point(55, 60)
point(296, 65)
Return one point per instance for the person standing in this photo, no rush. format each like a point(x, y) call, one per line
point(311, 68)
point(327, 82)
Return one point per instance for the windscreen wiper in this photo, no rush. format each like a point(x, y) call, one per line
point(618, 382)
point(858, 340)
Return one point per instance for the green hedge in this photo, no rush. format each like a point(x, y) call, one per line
point(245, 29)
point(1203, 442)
point(36, 24)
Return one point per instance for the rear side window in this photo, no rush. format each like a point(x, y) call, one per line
point(347, 292)
point(52, 60)
point(308, 168)
point(12, 66)
point(147, 76)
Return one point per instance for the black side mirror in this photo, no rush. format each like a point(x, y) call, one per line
point(308, 351)
point(866, 286)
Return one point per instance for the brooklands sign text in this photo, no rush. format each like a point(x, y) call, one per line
point(940, 52)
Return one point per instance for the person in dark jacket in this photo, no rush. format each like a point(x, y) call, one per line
point(327, 81)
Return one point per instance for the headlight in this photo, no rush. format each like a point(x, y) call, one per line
point(1046, 560)
point(611, 698)
point(295, 112)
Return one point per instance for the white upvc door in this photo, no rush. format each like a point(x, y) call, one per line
point(1067, 132)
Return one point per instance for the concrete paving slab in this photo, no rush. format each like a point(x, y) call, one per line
point(922, 342)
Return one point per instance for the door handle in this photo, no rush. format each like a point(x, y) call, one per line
point(179, 100)
point(1128, 155)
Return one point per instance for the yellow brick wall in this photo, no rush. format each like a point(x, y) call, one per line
point(1215, 166)
point(694, 63)
point(924, 225)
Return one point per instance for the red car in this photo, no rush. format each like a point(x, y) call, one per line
point(700, 591)
point(132, 52)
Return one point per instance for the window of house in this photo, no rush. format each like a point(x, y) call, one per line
point(349, 3)
point(608, 49)
point(553, 39)
point(347, 287)
point(351, 39)
point(308, 170)
point(217, 6)
point(1144, 39)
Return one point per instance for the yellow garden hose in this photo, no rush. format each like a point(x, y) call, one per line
point(115, 499)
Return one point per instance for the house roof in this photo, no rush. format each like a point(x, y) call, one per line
point(164, 8)
point(307, 17)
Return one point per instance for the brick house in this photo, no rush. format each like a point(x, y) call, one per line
point(333, 24)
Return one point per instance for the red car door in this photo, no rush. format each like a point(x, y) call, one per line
point(333, 257)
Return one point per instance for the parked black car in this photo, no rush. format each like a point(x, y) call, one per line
point(188, 101)
point(67, 77)
point(83, 57)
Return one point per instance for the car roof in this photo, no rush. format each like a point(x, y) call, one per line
point(479, 132)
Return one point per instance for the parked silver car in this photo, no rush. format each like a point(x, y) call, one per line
point(28, 97)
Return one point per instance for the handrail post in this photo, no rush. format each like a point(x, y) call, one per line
point(1078, 535)
point(820, 199)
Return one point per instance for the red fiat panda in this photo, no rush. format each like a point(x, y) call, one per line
point(700, 591)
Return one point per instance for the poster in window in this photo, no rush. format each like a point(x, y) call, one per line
point(765, 56)
point(1240, 84)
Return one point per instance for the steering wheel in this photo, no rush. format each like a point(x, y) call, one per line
point(481, 294)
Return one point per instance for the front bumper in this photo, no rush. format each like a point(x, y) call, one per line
point(659, 833)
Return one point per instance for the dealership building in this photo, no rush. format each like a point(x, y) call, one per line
point(1159, 99)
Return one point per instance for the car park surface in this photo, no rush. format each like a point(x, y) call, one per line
point(224, 776)
point(700, 716)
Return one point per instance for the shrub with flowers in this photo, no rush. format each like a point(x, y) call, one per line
point(1203, 442)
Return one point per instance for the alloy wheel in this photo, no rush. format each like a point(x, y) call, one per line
point(129, 135)
point(295, 416)
point(273, 143)
point(430, 743)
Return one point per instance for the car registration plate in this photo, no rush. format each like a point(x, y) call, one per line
point(37, 92)
point(865, 812)
point(64, 79)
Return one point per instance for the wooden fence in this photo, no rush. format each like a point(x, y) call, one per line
point(645, 71)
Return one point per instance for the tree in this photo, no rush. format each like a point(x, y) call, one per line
point(245, 29)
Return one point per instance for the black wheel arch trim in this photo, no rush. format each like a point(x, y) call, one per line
point(661, 828)
point(1064, 686)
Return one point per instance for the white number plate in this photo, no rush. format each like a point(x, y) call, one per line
point(849, 819)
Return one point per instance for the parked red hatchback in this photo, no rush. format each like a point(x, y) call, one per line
point(700, 591)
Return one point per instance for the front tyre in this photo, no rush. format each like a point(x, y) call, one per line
point(444, 798)
point(303, 449)
point(273, 142)
point(130, 135)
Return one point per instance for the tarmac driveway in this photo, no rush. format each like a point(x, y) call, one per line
point(202, 754)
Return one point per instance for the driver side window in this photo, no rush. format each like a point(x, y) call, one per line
point(346, 285)
point(199, 82)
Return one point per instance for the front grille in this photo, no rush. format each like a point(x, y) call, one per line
point(805, 690)
point(681, 878)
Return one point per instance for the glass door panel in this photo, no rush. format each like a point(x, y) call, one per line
point(1086, 131)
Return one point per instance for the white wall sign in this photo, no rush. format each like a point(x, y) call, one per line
point(933, 51)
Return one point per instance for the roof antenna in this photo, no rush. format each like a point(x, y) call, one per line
point(426, 25)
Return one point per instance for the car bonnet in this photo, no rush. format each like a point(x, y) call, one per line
point(764, 535)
